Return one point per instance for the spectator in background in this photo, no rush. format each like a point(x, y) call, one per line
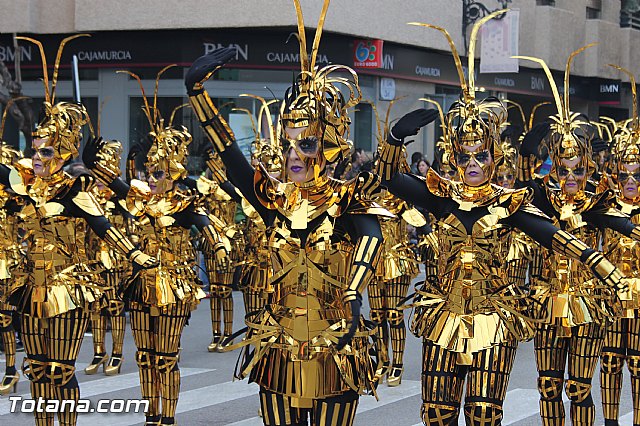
point(415, 158)
point(358, 158)
point(422, 166)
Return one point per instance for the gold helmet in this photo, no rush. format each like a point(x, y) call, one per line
point(570, 137)
point(61, 126)
point(169, 144)
point(626, 142)
point(265, 151)
point(472, 126)
point(316, 104)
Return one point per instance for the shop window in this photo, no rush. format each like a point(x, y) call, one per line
point(362, 128)
point(545, 2)
point(630, 14)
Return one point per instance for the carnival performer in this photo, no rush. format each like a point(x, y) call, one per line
point(161, 299)
point(255, 279)
point(11, 261)
point(115, 270)
point(573, 306)
point(390, 285)
point(61, 285)
point(221, 200)
point(473, 316)
point(325, 242)
point(622, 339)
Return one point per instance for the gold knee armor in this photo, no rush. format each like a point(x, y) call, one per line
point(439, 414)
point(482, 413)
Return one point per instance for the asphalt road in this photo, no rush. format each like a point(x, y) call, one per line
point(209, 396)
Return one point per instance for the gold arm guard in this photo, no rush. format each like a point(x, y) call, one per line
point(605, 270)
point(391, 157)
point(118, 241)
point(217, 168)
point(214, 243)
point(525, 168)
point(213, 124)
point(363, 266)
point(567, 245)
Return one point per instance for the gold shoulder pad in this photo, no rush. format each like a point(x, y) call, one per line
point(437, 185)
point(266, 188)
point(21, 175)
point(358, 199)
point(88, 203)
point(139, 194)
point(414, 218)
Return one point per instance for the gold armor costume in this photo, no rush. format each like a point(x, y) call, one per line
point(324, 241)
point(11, 261)
point(62, 285)
point(160, 300)
point(473, 315)
point(622, 340)
point(574, 305)
point(115, 270)
point(398, 266)
point(221, 271)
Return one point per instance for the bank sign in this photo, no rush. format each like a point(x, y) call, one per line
point(367, 53)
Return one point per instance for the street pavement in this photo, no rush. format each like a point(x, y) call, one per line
point(209, 396)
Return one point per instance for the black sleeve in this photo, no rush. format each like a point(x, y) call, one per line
point(230, 189)
point(365, 225)
point(537, 227)
point(414, 191)
point(540, 199)
point(120, 187)
point(4, 174)
point(620, 224)
point(189, 217)
point(241, 174)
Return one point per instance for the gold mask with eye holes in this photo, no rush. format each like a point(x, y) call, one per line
point(472, 126)
point(626, 142)
point(170, 145)
point(570, 137)
point(317, 104)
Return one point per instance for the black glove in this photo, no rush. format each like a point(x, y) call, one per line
point(411, 123)
point(205, 66)
point(141, 147)
point(91, 150)
point(511, 132)
point(356, 304)
point(531, 141)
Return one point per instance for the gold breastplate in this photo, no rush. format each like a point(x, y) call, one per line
point(308, 281)
point(471, 264)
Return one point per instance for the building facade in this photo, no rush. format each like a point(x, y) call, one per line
point(144, 36)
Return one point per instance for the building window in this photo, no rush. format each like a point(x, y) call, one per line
point(363, 127)
point(630, 14)
point(545, 2)
point(594, 9)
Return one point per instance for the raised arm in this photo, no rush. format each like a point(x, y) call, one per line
point(613, 219)
point(206, 225)
point(215, 126)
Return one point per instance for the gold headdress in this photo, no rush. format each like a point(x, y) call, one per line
point(316, 101)
point(626, 138)
point(444, 147)
point(169, 147)
point(62, 124)
point(471, 123)
point(570, 137)
point(265, 150)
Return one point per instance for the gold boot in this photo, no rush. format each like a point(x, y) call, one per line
point(8, 382)
point(96, 362)
point(215, 343)
point(394, 378)
point(114, 365)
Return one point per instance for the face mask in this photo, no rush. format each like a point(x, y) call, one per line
point(482, 158)
point(158, 178)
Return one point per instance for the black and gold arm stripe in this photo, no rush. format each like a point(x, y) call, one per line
point(213, 124)
point(363, 266)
